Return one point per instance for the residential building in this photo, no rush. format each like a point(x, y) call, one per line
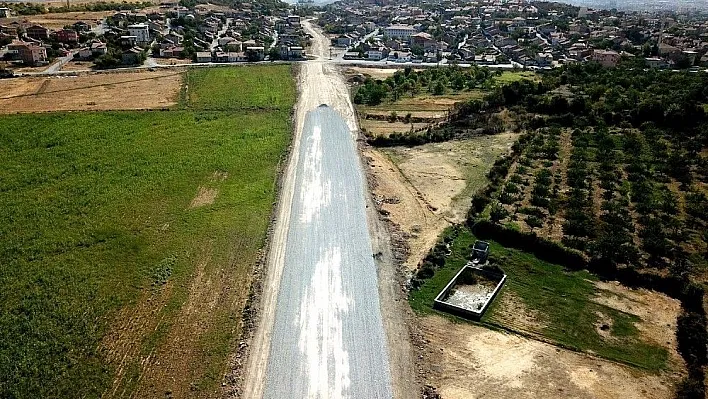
point(132, 56)
point(351, 55)
point(606, 58)
point(98, 49)
point(175, 37)
point(294, 20)
point(422, 39)
point(669, 51)
point(344, 41)
point(256, 53)
point(291, 52)
point(81, 26)
point(128, 41)
point(403, 32)
point(376, 54)
point(655, 62)
point(141, 33)
point(85, 53)
point(203, 56)
point(4, 12)
point(67, 36)
point(544, 59)
point(8, 30)
point(37, 32)
point(28, 53)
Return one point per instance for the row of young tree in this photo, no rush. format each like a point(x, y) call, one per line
point(436, 81)
point(637, 141)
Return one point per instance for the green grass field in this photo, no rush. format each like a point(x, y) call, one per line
point(96, 213)
point(510, 76)
point(562, 299)
point(232, 88)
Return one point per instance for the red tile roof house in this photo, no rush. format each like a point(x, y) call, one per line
point(67, 36)
point(29, 53)
point(38, 32)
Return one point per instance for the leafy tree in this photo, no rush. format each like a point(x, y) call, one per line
point(439, 88)
point(498, 212)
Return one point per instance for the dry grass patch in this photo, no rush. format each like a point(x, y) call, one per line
point(104, 91)
point(657, 313)
point(72, 66)
point(58, 20)
point(205, 196)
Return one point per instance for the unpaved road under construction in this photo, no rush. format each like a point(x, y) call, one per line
point(321, 333)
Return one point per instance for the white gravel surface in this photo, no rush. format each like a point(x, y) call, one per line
point(321, 333)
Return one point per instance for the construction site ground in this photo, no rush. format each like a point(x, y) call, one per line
point(72, 66)
point(465, 361)
point(426, 188)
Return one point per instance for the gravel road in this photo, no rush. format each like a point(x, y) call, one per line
point(321, 333)
point(328, 339)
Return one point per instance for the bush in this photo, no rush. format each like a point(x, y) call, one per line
point(527, 210)
point(529, 242)
point(534, 221)
point(516, 179)
point(692, 386)
point(691, 337)
point(511, 188)
point(498, 212)
point(539, 201)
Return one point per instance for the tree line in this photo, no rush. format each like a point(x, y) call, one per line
point(435, 81)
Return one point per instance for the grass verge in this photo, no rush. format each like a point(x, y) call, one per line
point(562, 299)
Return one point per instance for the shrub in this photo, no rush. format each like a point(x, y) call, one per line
point(534, 221)
point(691, 337)
point(540, 201)
point(529, 242)
point(507, 198)
point(498, 212)
point(511, 188)
point(516, 179)
point(527, 210)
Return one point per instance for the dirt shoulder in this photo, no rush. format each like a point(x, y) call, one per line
point(87, 92)
point(397, 316)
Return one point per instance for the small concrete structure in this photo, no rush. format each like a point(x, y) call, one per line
point(470, 301)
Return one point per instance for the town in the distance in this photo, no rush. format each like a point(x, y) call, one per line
point(521, 34)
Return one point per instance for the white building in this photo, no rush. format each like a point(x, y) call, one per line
point(399, 31)
point(141, 33)
point(375, 54)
